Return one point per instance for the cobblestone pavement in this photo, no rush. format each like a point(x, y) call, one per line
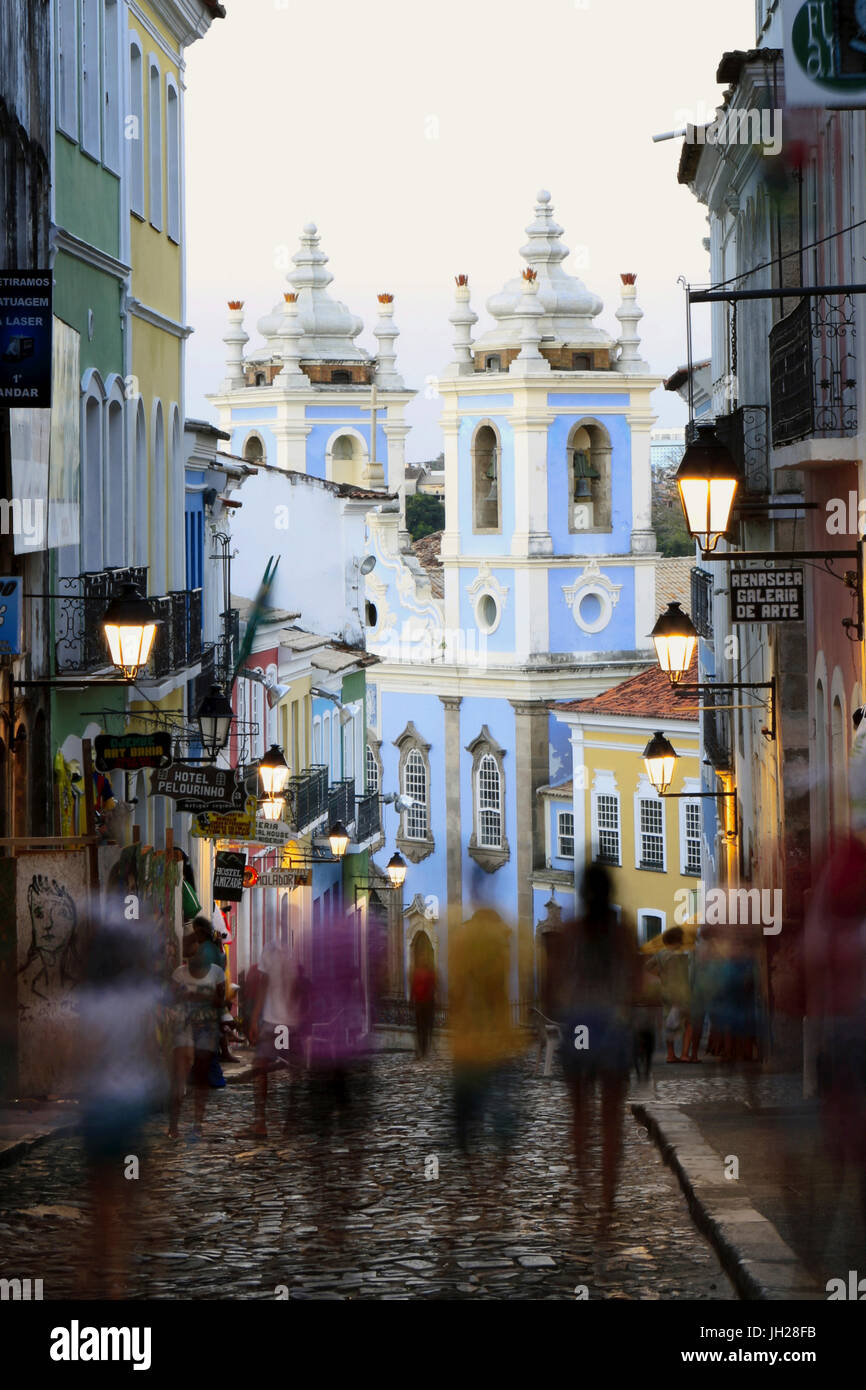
point(341, 1209)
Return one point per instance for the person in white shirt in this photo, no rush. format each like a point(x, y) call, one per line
point(274, 1026)
point(200, 990)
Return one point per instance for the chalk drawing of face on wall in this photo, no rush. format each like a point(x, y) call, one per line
point(52, 967)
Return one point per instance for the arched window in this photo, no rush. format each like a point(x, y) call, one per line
point(134, 129)
point(111, 29)
point(489, 804)
point(158, 503)
point(589, 478)
point(488, 845)
point(172, 159)
point(339, 377)
point(138, 484)
point(261, 379)
point(92, 452)
point(154, 132)
point(493, 362)
point(174, 527)
point(345, 461)
point(254, 449)
point(374, 778)
point(415, 839)
point(114, 481)
point(486, 480)
point(415, 785)
point(327, 753)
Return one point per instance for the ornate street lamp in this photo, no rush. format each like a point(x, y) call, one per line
point(707, 479)
point(130, 625)
point(659, 759)
point(214, 719)
point(274, 772)
point(674, 638)
point(338, 839)
point(271, 808)
point(396, 870)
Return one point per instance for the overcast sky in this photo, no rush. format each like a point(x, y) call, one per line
point(417, 135)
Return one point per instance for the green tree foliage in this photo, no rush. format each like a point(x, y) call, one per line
point(424, 514)
point(669, 523)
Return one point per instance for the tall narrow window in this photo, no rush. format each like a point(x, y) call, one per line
point(488, 845)
point(91, 479)
point(607, 828)
point(172, 160)
point(114, 480)
point(91, 85)
point(652, 836)
point(489, 804)
point(692, 830)
point(67, 67)
point(317, 742)
point(134, 130)
point(565, 834)
point(486, 480)
point(158, 503)
point(589, 478)
point(413, 780)
point(111, 120)
point(415, 785)
point(154, 132)
point(372, 771)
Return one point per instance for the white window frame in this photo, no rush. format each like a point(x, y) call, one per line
point(480, 810)
point(154, 142)
point(93, 403)
point(135, 147)
point(371, 762)
point(647, 792)
point(642, 914)
point(91, 79)
point(111, 86)
point(604, 784)
point(561, 811)
point(67, 67)
point(685, 803)
point(317, 740)
point(172, 159)
point(422, 806)
point(114, 476)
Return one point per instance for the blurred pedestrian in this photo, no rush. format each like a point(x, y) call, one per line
point(200, 994)
point(423, 996)
point(275, 1015)
point(121, 1084)
point(671, 964)
point(597, 986)
point(645, 1019)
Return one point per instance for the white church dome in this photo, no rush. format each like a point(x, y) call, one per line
point(328, 328)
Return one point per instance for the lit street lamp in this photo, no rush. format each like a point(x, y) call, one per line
point(338, 839)
point(214, 721)
point(396, 870)
point(130, 625)
point(659, 759)
point(674, 638)
point(707, 479)
point(272, 807)
point(273, 771)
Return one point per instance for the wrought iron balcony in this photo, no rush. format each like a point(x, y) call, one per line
point(308, 797)
point(341, 802)
point(813, 371)
point(368, 821)
point(178, 640)
point(79, 640)
point(716, 729)
point(702, 603)
point(744, 432)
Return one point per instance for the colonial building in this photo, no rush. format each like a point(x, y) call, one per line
point(547, 583)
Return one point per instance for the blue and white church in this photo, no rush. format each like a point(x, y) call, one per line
point(544, 590)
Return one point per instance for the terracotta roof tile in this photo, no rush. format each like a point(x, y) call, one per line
point(649, 694)
point(426, 551)
point(674, 582)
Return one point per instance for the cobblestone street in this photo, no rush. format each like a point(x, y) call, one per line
point(347, 1211)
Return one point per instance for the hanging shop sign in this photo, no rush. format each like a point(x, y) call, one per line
point(199, 788)
point(10, 615)
point(767, 596)
point(270, 832)
point(284, 878)
point(825, 53)
point(25, 338)
point(131, 751)
point(228, 876)
point(232, 825)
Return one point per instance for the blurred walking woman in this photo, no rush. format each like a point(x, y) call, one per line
point(595, 978)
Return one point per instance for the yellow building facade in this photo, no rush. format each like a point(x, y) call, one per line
point(608, 811)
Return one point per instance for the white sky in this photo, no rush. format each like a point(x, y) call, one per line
point(324, 112)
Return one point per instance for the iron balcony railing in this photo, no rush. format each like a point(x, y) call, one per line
point(79, 640)
point(744, 432)
point(307, 796)
point(341, 802)
point(813, 370)
point(367, 817)
point(716, 729)
point(178, 639)
point(702, 603)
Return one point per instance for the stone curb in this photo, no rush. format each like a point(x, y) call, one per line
point(12, 1150)
point(757, 1260)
